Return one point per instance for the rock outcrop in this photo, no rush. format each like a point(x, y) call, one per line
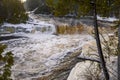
point(89, 68)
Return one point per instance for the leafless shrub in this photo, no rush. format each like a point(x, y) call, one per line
point(109, 42)
point(92, 72)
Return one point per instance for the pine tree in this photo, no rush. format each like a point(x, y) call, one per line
point(12, 11)
point(63, 7)
point(7, 62)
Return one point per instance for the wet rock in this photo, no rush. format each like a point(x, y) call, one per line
point(62, 70)
point(82, 71)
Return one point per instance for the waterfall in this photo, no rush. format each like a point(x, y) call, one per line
point(41, 27)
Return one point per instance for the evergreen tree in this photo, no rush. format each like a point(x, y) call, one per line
point(7, 62)
point(82, 7)
point(12, 11)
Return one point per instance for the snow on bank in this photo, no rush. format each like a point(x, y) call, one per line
point(109, 19)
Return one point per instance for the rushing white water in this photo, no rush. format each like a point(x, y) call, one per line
point(41, 50)
point(29, 27)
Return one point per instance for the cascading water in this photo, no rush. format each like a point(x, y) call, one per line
point(45, 29)
point(31, 27)
point(44, 56)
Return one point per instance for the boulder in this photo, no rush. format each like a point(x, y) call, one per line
point(89, 68)
point(86, 70)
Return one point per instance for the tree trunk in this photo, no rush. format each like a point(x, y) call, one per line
point(119, 48)
point(102, 61)
point(119, 53)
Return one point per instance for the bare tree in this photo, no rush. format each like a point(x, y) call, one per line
point(103, 64)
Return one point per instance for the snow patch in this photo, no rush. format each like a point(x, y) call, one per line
point(109, 19)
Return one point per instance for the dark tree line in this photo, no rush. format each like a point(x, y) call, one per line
point(83, 7)
point(12, 11)
point(74, 7)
